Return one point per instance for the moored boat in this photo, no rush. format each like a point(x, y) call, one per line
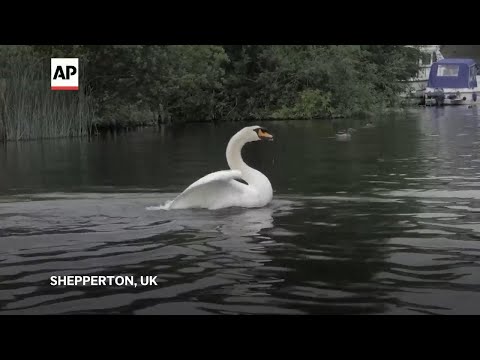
point(453, 82)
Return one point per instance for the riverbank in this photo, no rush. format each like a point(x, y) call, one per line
point(99, 127)
point(131, 86)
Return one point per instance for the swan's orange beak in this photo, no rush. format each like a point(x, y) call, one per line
point(264, 135)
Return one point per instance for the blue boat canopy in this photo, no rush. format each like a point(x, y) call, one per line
point(453, 73)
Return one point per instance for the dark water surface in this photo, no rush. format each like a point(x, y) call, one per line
point(387, 223)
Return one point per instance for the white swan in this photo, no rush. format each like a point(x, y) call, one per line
point(221, 189)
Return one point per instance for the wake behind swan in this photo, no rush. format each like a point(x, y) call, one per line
point(222, 189)
point(160, 207)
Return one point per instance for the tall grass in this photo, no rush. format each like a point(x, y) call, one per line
point(29, 109)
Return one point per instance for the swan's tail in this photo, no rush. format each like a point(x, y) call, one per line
point(165, 206)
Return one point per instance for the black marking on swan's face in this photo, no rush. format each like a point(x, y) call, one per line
point(263, 134)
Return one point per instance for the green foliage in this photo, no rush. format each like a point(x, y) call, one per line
point(311, 104)
point(138, 85)
point(179, 82)
point(273, 81)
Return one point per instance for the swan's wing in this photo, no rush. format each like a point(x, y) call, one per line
point(218, 176)
point(215, 190)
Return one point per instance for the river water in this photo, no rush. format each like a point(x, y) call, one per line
point(387, 223)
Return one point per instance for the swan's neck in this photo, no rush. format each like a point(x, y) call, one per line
point(235, 161)
point(234, 154)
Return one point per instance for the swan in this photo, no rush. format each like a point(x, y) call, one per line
point(222, 189)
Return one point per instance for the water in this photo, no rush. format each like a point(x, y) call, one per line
point(387, 223)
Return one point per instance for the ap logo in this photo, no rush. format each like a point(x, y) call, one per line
point(64, 73)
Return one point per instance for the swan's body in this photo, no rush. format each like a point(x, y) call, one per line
point(222, 189)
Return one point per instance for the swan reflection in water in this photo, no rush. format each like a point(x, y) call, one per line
point(232, 249)
point(227, 229)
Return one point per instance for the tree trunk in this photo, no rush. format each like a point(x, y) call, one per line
point(163, 116)
point(3, 126)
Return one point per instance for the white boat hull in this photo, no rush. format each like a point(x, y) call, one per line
point(453, 96)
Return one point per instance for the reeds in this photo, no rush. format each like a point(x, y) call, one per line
point(29, 109)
